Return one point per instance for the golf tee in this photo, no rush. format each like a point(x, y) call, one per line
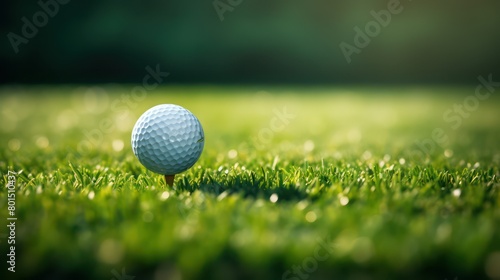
point(169, 179)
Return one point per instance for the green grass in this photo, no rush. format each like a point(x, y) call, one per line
point(345, 170)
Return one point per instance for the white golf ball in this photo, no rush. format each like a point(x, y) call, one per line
point(167, 139)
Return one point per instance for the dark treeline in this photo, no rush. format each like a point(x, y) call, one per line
point(249, 41)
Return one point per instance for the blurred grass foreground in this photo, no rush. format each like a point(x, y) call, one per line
point(294, 183)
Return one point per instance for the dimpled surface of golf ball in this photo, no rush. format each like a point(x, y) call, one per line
point(167, 139)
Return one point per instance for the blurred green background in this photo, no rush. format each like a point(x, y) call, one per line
point(256, 42)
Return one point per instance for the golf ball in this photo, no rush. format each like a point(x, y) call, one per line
point(167, 139)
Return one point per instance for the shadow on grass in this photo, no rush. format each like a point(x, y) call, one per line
point(248, 184)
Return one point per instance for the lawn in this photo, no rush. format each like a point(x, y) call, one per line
point(294, 183)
